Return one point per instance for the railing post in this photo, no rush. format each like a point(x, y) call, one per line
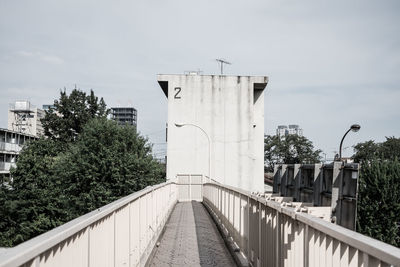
point(306, 247)
point(278, 240)
point(248, 227)
point(88, 229)
point(259, 232)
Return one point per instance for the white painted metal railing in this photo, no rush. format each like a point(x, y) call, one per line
point(265, 232)
point(269, 234)
point(122, 233)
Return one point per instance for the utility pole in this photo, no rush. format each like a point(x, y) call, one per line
point(222, 62)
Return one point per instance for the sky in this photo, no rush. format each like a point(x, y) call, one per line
point(330, 63)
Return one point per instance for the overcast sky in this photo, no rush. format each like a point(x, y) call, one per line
point(330, 63)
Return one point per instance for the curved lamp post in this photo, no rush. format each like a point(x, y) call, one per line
point(209, 143)
point(354, 128)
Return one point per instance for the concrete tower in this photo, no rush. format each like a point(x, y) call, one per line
point(224, 113)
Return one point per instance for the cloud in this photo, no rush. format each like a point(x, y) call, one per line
point(52, 59)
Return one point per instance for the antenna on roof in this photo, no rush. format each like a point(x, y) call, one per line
point(222, 62)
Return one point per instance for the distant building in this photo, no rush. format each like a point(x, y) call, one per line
point(48, 107)
point(11, 144)
point(124, 115)
point(25, 118)
point(295, 129)
point(284, 130)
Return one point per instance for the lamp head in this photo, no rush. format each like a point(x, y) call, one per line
point(355, 127)
point(179, 124)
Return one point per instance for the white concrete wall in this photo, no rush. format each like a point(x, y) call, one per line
point(224, 107)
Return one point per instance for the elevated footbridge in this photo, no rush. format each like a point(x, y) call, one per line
point(221, 226)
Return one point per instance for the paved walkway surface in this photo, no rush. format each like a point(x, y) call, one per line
point(191, 239)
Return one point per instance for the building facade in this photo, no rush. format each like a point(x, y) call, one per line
point(124, 115)
point(11, 143)
point(216, 128)
point(284, 130)
point(25, 118)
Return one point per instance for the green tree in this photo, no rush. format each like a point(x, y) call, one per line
point(366, 151)
point(34, 203)
point(106, 162)
point(86, 162)
point(378, 208)
point(289, 149)
point(369, 150)
point(70, 113)
point(390, 149)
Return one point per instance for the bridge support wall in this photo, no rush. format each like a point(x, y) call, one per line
point(326, 185)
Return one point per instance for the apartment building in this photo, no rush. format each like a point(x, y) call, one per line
point(11, 144)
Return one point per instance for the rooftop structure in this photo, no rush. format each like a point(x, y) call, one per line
point(25, 118)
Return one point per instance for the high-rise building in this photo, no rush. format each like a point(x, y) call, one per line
point(295, 129)
point(284, 130)
point(124, 115)
point(25, 118)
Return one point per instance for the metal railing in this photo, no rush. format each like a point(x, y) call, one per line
point(264, 232)
point(267, 233)
point(122, 233)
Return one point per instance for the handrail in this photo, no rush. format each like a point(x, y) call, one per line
point(36, 246)
point(241, 208)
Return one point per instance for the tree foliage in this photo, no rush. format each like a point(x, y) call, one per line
point(106, 162)
point(33, 204)
point(289, 149)
point(369, 150)
point(67, 175)
point(378, 208)
point(71, 113)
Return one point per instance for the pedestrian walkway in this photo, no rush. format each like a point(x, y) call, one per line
point(191, 239)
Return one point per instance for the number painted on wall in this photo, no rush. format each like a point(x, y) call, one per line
point(177, 92)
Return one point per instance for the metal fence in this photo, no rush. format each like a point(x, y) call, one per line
point(269, 234)
point(122, 233)
point(190, 187)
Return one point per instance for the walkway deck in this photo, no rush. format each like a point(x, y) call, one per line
point(191, 239)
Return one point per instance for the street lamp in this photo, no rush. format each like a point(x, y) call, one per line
point(208, 139)
point(354, 128)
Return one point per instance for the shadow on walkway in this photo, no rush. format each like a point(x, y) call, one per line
point(191, 239)
point(212, 249)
